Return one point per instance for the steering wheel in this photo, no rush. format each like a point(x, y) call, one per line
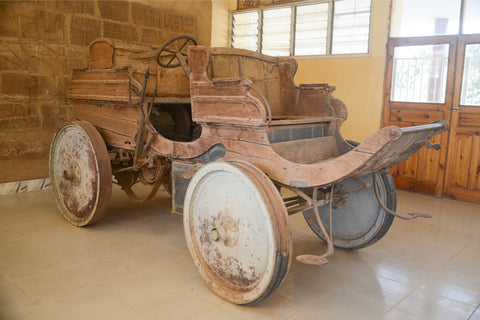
point(173, 52)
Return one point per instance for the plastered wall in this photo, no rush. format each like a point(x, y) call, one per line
point(359, 80)
point(42, 41)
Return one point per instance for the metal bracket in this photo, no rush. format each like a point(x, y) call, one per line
point(436, 146)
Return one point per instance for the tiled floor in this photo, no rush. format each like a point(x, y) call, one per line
point(134, 264)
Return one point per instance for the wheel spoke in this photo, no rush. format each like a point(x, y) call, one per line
point(169, 62)
point(183, 45)
point(170, 50)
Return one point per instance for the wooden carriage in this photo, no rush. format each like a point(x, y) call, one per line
point(237, 144)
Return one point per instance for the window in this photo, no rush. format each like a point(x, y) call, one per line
point(245, 30)
point(420, 73)
point(319, 28)
point(417, 18)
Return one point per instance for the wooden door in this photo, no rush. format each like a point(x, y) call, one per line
point(418, 89)
point(463, 163)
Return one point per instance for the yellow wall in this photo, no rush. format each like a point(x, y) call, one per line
point(359, 80)
point(221, 22)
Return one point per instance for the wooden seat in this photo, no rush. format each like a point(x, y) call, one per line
point(259, 82)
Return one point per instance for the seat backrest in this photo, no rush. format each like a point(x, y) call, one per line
point(272, 76)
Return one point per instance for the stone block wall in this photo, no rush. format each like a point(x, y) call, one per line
point(42, 41)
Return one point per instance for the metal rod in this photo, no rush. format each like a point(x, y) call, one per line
point(142, 123)
point(412, 215)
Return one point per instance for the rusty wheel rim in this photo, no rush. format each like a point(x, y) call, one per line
point(237, 231)
point(80, 173)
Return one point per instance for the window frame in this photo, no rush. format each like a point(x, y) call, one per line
point(293, 7)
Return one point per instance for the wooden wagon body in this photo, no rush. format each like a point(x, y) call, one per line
point(227, 114)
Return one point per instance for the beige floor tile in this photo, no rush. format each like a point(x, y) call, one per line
point(469, 255)
point(306, 287)
point(25, 260)
point(11, 296)
point(274, 307)
point(84, 303)
point(177, 269)
point(136, 286)
point(310, 314)
point(475, 315)
point(341, 305)
point(452, 288)
point(426, 305)
point(218, 313)
point(382, 290)
point(148, 252)
point(405, 271)
point(27, 312)
point(120, 313)
point(396, 314)
point(8, 235)
point(16, 304)
point(49, 284)
point(180, 302)
point(463, 271)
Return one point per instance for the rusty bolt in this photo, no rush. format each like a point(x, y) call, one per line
point(393, 133)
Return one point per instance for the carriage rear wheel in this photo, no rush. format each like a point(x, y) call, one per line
point(358, 220)
point(80, 172)
point(237, 231)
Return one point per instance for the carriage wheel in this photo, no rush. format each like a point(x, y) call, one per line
point(80, 172)
point(358, 220)
point(237, 230)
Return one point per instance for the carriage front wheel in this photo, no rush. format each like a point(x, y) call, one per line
point(237, 231)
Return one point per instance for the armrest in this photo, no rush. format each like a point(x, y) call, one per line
point(226, 82)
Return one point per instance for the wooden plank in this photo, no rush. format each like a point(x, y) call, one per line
point(104, 74)
point(469, 120)
point(461, 162)
point(474, 172)
point(287, 120)
point(227, 110)
point(109, 110)
point(410, 168)
point(464, 194)
point(99, 119)
point(415, 116)
point(117, 140)
point(432, 162)
point(307, 150)
point(107, 98)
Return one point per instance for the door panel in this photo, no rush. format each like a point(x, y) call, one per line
point(463, 170)
point(418, 90)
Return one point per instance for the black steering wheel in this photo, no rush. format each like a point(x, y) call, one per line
point(173, 52)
